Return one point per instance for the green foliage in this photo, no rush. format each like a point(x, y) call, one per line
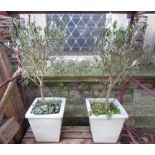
point(73, 68)
point(98, 108)
point(115, 50)
point(51, 107)
point(35, 45)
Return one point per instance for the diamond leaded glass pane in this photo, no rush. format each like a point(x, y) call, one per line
point(81, 29)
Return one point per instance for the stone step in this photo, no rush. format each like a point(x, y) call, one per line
point(141, 110)
point(75, 114)
point(140, 115)
point(153, 58)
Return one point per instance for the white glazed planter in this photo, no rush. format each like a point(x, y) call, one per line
point(47, 127)
point(106, 130)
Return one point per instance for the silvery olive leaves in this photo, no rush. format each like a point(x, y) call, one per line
point(35, 44)
point(115, 50)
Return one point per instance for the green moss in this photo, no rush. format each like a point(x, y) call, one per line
point(75, 100)
point(61, 93)
point(88, 68)
point(113, 94)
point(75, 110)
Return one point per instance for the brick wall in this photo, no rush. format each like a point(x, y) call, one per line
point(6, 24)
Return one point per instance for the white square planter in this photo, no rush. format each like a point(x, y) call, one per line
point(47, 127)
point(106, 130)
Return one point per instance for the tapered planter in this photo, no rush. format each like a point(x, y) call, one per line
point(106, 130)
point(47, 127)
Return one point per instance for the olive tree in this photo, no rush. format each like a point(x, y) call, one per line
point(36, 48)
point(115, 51)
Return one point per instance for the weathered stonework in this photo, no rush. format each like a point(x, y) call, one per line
point(137, 103)
point(74, 93)
point(85, 93)
point(5, 25)
point(83, 86)
point(97, 86)
point(149, 85)
point(72, 85)
point(141, 97)
point(128, 98)
point(96, 93)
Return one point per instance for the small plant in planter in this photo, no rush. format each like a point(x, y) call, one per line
point(36, 45)
point(115, 52)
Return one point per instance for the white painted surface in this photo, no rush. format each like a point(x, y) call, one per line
point(149, 38)
point(106, 130)
point(121, 19)
point(46, 128)
point(40, 19)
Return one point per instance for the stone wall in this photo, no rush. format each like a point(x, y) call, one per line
point(137, 103)
point(6, 23)
point(76, 90)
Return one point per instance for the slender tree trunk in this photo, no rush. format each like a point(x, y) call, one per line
point(106, 103)
point(42, 92)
